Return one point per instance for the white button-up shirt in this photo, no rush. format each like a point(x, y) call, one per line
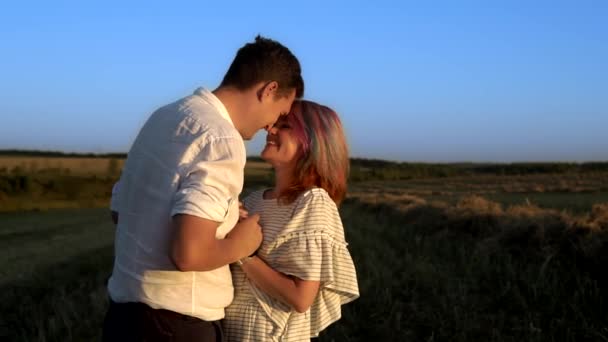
point(187, 159)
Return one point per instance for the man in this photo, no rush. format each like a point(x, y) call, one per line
point(178, 200)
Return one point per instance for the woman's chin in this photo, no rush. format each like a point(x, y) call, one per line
point(265, 157)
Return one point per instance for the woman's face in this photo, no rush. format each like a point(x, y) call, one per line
point(282, 147)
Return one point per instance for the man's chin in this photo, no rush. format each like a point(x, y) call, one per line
point(248, 136)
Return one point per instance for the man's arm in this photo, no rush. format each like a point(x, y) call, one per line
point(295, 292)
point(201, 202)
point(194, 246)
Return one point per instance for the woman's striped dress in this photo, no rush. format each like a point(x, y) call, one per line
point(304, 239)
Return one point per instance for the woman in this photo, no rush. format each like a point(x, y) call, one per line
point(302, 273)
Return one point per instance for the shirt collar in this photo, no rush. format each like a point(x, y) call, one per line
point(213, 100)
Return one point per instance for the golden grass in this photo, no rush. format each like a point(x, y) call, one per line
point(256, 168)
point(89, 166)
point(74, 166)
point(257, 165)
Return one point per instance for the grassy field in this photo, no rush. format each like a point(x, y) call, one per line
point(53, 269)
point(485, 258)
point(81, 166)
point(66, 165)
point(570, 192)
point(42, 183)
point(468, 272)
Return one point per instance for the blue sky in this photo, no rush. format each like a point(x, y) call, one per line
point(433, 81)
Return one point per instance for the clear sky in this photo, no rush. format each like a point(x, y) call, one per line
point(413, 81)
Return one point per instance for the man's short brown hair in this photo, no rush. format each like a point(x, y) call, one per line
point(265, 60)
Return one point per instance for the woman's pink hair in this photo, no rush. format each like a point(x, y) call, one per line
point(323, 161)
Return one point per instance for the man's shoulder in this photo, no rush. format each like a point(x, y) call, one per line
point(195, 119)
point(208, 115)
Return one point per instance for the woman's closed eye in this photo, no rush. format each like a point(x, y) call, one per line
point(282, 123)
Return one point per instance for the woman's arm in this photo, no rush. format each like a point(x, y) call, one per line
point(295, 292)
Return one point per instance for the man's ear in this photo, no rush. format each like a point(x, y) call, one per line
point(268, 90)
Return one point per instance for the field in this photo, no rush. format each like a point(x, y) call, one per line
point(65, 165)
point(462, 258)
point(40, 183)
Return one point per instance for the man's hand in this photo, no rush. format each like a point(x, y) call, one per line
point(247, 234)
point(194, 246)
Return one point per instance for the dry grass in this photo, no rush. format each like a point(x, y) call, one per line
point(258, 169)
point(28, 204)
point(597, 219)
point(477, 270)
point(72, 166)
point(469, 270)
point(89, 166)
point(487, 184)
point(573, 192)
point(521, 229)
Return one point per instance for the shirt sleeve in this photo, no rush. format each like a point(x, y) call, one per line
point(212, 181)
point(315, 248)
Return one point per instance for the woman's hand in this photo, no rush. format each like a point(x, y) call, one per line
point(243, 213)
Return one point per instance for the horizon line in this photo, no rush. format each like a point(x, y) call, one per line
point(59, 153)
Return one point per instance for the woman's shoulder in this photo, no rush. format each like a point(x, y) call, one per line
point(314, 207)
point(314, 197)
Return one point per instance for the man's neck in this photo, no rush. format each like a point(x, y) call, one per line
point(232, 100)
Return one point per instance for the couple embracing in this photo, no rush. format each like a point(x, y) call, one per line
point(193, 263)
